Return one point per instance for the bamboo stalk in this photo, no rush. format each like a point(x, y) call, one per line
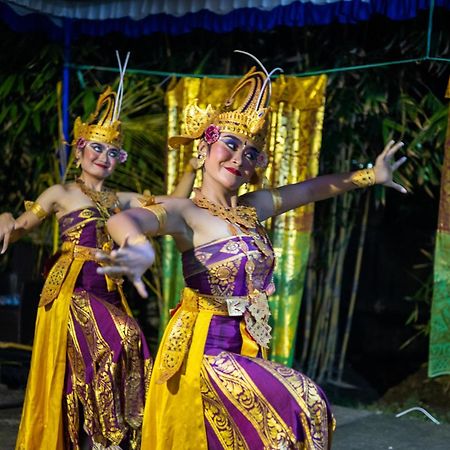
point(355, 285)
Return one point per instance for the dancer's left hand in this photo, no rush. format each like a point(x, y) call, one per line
point(386, 165)
point(130, 260)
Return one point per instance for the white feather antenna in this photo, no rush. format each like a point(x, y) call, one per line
point(267, 81)
point(119, 95)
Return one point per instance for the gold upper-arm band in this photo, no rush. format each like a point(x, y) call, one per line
point(160, 212)
point(277, 201)
point(363, 178)
point(36, 209)
point(148, 202)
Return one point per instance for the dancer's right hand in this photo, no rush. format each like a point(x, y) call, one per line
point(132, 259)
point(7, 226)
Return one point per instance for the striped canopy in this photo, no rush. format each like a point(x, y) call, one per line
point(142, 17)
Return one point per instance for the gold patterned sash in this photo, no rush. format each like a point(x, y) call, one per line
point(59, 271)
point(179, 333)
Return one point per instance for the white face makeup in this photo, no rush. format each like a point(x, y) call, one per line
point(231, 160)
point(99, 159)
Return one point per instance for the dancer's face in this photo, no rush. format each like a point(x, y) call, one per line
point(231, 160)
point(98, 158)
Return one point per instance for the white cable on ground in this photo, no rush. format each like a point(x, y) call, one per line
point(418, 408)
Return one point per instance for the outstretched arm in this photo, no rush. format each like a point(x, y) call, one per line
point(292, 196)
point(12, 229)
point(129, 229)
point(184, 187)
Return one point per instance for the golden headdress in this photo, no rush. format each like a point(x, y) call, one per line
point(247, 118)
point(103, 125)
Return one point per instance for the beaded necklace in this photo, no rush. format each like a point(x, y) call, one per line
point(104, 200)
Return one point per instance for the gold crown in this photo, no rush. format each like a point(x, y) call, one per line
point(247, 119)
point(102, 126)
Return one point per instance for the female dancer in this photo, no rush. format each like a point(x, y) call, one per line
point(211, 386)
point(90, 366)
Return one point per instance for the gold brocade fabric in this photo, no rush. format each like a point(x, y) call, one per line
point(179, 335)
point(88, 357)
point(247, 402)
point(295, 132)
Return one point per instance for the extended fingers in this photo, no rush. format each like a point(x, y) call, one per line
point(113, 270)
point(6, 238)
point(391, 149)
point(398, 163)
point(140, 287)
point(397, 187)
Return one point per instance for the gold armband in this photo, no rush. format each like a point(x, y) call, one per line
point(147, 199)
point(160, 212)
point(363, 178)
point(277, 201)
point(36, 209)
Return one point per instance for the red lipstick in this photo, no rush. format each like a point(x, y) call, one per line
point(234, 171)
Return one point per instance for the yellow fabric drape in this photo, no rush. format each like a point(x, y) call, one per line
point(175, 381)
point(294, 143)
point(41, 426)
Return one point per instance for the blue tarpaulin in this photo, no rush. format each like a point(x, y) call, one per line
point(135, 18)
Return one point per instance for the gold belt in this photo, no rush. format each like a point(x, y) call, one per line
point(222, 305)
point(59, 271)
point(178, 335)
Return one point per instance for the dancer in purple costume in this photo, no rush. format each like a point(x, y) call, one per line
point(211, 387)
point(90, 366)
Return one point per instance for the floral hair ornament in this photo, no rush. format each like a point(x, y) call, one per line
point(247, 118)
point(103, 125)
point(123, 156)
point(81, 143)
point(212, 134)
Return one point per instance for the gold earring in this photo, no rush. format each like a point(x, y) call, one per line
point(201, 158)
point(78, 163)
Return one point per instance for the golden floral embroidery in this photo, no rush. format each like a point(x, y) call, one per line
point(112, 404)
point(218, 417)
point(175, 346)
point(231, 247)
point(202, 257)
point(86, 214)
point(222, 276)
point(305, 393)
point(239, 388)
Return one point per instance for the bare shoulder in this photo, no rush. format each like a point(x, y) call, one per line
point(55, 192)
point(261, 200)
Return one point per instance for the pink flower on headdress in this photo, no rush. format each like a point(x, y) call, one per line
point(123, 155)
point(212, 134)
point(262, 160)
point(81, 143)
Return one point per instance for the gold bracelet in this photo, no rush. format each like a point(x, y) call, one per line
point(147, 199)
point(160, 212)
point(277, 201)
point(36, 209)
point(363, 178)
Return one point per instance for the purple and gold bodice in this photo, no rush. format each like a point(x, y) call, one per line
point(85, 227)
point(218, 267)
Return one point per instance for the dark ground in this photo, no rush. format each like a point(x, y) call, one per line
point(357, 429)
